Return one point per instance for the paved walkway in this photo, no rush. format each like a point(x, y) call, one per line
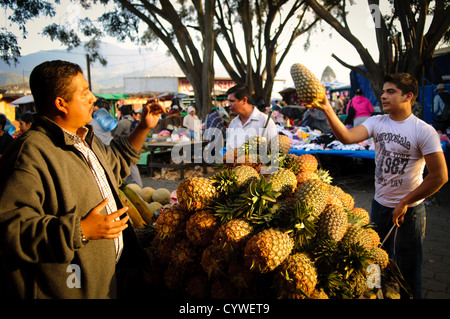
point(436, 269)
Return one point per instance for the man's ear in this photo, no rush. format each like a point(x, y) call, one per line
point(409, 96)
point(60, 104)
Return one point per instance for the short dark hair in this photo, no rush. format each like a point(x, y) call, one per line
point(27, 117)
point(404, 82)
point(2, 121)
point(240, 91)
point(50, 80)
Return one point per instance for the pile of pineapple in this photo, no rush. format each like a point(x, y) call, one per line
point(253, 231)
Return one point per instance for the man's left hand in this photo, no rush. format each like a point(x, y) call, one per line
point(151, 114)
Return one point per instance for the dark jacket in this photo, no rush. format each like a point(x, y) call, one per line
point(46, 188)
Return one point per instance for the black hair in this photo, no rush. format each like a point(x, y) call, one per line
point(50, 80)
point(27, 117)
point(240, 91)
point(2, 121)
point(404, 82)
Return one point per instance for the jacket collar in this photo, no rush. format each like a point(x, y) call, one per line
point(55, 132)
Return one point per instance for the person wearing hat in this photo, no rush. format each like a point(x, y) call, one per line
point(192, 123)
point(441, 101)
point(363, 107)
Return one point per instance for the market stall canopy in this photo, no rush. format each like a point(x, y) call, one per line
point(171, 95)
point(336, 86)
point(287, 90)
point(23, 100)
point(112, 96)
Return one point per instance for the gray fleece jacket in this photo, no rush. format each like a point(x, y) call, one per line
point(46, 188)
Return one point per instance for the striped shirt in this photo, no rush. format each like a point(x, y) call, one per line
point(100, 177)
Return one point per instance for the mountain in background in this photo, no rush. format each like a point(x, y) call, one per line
point(105, 79)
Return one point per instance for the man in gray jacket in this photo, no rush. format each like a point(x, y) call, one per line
point(63, 231)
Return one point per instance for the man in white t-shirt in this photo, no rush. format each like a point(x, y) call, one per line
point(404, 144)
point(249, 120)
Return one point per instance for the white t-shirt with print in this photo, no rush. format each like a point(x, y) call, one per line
point(399, 150)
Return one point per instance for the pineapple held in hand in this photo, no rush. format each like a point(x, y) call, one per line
point(309, 88)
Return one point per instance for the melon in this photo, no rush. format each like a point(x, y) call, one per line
point(146, 193)
point(161, 195)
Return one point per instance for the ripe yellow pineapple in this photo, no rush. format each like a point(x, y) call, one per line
point(283, 181)
point(282, 141)
point(201, 227)
point(333, 200)
point(313, 193)
point(305, 175)
point(196, 193)
point(233, 235)
point(332, 223)
point(374, 237)
point(245, 174)
point(171, 222)
point(266, 250)
point(346, 199)
point(307, 162)
point(309, 89)
point(361, 214)
point(380, 257)
point(356, 234)
point(297, 277)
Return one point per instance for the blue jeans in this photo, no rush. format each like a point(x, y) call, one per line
point(408, 249)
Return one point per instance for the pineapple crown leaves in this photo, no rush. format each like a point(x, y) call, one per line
point(354, 219)
point(302, 226)
point(285, 275)
point(224, 210)
point(354, 258)
point(324, 176)
point(258, 204)
point(335, 285)
point(326, 254)
point(225, 182)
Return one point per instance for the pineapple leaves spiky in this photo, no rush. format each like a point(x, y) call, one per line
point(258, 204)
point(226, 183)
point(302, 226)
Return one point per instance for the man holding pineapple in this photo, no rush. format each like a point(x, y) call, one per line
point(404, 144)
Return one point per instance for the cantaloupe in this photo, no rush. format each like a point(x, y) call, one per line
point(161, 195)
point(154, 206)
point(146, 193)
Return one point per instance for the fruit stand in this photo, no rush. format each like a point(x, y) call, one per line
point(243, 233)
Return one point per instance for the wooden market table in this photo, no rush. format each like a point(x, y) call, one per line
point(185, 155)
